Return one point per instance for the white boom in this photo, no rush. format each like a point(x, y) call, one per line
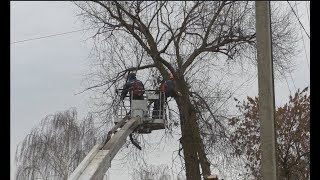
point(98, 160)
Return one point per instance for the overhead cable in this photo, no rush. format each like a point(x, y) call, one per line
point(298, 19)
point(42, 37)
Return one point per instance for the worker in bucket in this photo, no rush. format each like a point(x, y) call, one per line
point(167, 89)
point(134, 86)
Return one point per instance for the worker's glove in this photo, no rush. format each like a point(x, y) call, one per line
point(179, 93)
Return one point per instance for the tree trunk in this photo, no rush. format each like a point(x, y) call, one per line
point(205, 165)
point(191, 141)
point(188, 143)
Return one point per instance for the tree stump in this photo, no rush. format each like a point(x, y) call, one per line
point(212, 177)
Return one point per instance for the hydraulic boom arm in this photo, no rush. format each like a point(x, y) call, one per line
point(98, 160)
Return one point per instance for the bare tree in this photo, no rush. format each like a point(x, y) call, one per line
point(187, 39)
point(293, 136)
point(55, 148)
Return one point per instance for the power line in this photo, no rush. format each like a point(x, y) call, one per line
point(294, 85)
point(304, 46)
point(298, 19)
point(285, 78)
point(305, 51)
point(42, 37)
point(308, 12)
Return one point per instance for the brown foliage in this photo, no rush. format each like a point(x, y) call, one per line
point(293, 136)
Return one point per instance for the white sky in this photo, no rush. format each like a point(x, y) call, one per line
point(46, 73)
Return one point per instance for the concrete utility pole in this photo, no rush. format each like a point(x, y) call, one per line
point(266, 91)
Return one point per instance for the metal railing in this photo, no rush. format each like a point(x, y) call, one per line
point(152, 97)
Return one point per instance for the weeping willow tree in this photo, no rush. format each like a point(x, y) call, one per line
point(55, 148)
point(192, 40)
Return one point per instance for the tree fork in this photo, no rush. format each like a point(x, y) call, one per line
point(205, 165)
point(191, 135)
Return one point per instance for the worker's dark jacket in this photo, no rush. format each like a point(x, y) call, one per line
point(127, 88)
point(169, 89)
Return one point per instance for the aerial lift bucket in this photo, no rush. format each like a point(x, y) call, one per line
point(143, 109)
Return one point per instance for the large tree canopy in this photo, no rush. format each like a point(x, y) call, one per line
point(191, 40)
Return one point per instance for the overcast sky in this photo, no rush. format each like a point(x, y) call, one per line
point(46, 73)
